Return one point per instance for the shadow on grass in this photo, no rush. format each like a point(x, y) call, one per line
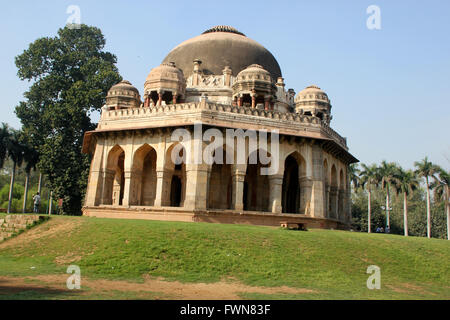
point(34, 292)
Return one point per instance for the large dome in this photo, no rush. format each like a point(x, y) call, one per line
point(219, 47)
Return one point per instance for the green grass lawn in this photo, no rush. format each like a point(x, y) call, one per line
point(332, 263)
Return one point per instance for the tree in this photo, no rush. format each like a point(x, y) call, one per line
point(353, 174)
point(31, 158)
point(442, 191)
point(426, 169)
point(387, 173)
point(71, 75)
point(405, 182)
point(369, 177)
point(4, 138)
point(15, 151)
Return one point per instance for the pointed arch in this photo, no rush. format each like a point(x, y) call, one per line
point(114, 180)
point(256, 194)
point(143, 176)
point(220, 183)
point(174, 188)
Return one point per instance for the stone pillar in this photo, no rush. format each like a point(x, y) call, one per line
point(318, 182)
point(276, 187)
point(159, 188)
point(333, 202)
point(127, 189)
point(253, 99)
point(267, 103)
point(326, 207)
point(238, 179)
point(107, 190)
point(240, 100)
point(227, 76)
point(305, 195)
point(95, 182)
point(341, 209)
point(196, 181)
point(159, 97)
point(174, 98)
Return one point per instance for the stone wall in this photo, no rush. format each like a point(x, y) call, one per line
point(14, 224)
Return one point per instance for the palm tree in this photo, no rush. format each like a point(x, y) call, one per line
point(353, 175)
point(31, 158)
point(15, 152)
point(369, 177)
point(387, 173)
point(405, 182)
point(425, 169)
point(4, 138)
point(442, 191)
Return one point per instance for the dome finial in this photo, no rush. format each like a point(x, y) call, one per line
point(224, 29)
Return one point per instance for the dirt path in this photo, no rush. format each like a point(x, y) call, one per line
point(173, 290)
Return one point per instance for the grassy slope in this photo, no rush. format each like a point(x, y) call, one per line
point(333, 263)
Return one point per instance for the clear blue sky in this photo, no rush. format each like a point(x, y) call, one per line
point(389, 88)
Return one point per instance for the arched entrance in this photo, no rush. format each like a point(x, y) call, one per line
point(175, 177)
point(256, 187)
point(114, 177)
point(143, 178)
point(220, 185)
point(291, 186)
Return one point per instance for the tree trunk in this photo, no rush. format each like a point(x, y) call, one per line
point(369, 213)
point(25, 196)
point(447, 205)
point(11, 187)
point(388, 223)
point(428, 211)
point(405, 213)
point(50, 205)
point(40, 184)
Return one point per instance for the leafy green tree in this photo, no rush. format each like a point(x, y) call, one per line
point(405, 182)
point(442, 192)
point(71, 75)
point(369, 178)
point(426, 169)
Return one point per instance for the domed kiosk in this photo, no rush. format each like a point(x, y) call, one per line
point(220, 96)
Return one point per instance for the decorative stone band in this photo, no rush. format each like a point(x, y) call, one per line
point(116, 119)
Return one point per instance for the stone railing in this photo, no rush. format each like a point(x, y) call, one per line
point(111, 115)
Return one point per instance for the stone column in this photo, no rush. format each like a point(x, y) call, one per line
point(196, 181)
point(267, 103)
point(227, 76)
point(341, 209)
point(174, 98)
point(159, 188)
point(159, 97)
point(327, 202)
point(126, 189)
point(306, 185)
point(95, 182)
point(333, 202)
point(238, 179)
point(240, 100)
point(276, 187)
point(107, 190)
point(253, 100)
